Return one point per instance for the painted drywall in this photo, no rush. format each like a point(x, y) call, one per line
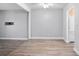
point(19, 29)
point(24, 6)
point(47, 23)
point(68, 28)
point(77, 28)
point(64, 23)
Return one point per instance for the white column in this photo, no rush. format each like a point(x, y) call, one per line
point(29, 25)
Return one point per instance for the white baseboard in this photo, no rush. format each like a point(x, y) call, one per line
point(58, 38)
point(13, 38)
point(77, 52)
point(66, 41)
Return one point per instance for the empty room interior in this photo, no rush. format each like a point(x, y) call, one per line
point(39, 29)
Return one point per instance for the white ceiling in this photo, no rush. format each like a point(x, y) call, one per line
point(14, 6)
point(36, 5)
point(10, 6)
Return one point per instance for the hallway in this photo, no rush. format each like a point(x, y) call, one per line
point(36, 29)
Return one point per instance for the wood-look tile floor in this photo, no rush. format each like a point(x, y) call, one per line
point(37, 47)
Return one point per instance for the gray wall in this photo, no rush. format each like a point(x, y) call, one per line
point(67, 33)
point(19, 29)
point(47, 22)
point(65, 23)
point(77, 28)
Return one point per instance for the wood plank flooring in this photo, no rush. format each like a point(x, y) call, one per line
point(36, 47)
